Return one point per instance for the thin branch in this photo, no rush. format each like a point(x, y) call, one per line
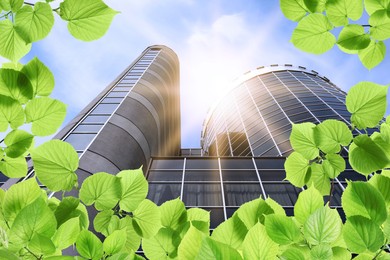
point(366, 25)
point(27, 3)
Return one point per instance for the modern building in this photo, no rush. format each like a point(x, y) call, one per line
point(136, 121)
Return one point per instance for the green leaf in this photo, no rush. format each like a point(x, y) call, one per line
point(312, 34)
point(34, 24)
point(18, 142)
point(147, 219)
point(292, 253)
point(302, 140)
point(373, 54)
point(190, 244)
point(12, 46)
point(362, 199)
point(319, 179)
point(55, 163)
point(330, 134)
point(11, 65)
point(67, 233)
point(353, 37)
point(366, 156)
point(15, 84)
point(334, 165)
point(323, 226)
point(340, 253)
point(41, 245)
point(276, 207)
point(315, 6)
point(257, 244)
point(212, 249)
point(382, 183)
point(69, 208)
point(133, 240)
point(282, 229)
point(231, 232)
point(5, 254)
point(134, 189)
point(361, 234)
point(102, 221)
point(11, 5)
point(14, 167)
point(101, 188)
point(115, 242)
point(89, 246)
point(297, 168)
point(385, 132)
point(45, 114)
point(11, 113)
point(173, 213)
point(88, 19)
point(34, 219)
point(198, 214)
point(338, 11)
point(380, 25)
point(366, 101)
point(41, 78)
point(374, 5)
point(294, 10)
point(159, 246)
point(19, 196)
point(321, 252)
point(253, 212)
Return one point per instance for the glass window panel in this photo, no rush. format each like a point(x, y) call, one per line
point(239, 175)
point(202, 194)
point(108, 100)
point(270, 175)
point(117, 94)
point(80, 141)
point(104, 108)
point(230, 211)
point(202, 164)
point(167, 164)
point(336, 197)
point(191, 175)
point(161, 192)
point(166, 175)
point(88, 128)
point(351, 175)
point(238, 193)
point(237, 163)
point(3, 178)
point(283, 193)
point(263, 163)
point(95, 119)
point(121, 89)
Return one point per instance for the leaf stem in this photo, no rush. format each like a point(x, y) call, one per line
point(331, 193)
point(366, 25)
point(27, 3)
point(28, 250)
point(380, 250)
point(5, 15)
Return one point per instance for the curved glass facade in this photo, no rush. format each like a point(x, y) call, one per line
point(255, 117)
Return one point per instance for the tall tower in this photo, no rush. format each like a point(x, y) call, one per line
point(255, 117)
point(137, 116)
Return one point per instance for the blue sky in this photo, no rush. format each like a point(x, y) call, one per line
point(216, 41)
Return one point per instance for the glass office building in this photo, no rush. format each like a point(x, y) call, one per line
point(244, 142)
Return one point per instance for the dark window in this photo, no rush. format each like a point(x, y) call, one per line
point(202, 164)
point(161, 192)
point(193, 175)
point(272, 175)
point(239, 175)
point(165, 175)
point(283, 193)
point(202, 194)
point(238, 193)
point(237, 164)
point(167, 164)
